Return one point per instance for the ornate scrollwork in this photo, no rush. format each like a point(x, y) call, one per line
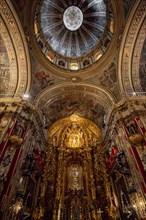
point(38, 213)
point(136, 139)
point(15, 140)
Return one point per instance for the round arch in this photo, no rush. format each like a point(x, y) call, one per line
point(16, 69)
point(86, 100)
point(130, 50)
point(48, 93)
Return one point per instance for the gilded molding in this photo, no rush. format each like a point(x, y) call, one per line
point(105, 97)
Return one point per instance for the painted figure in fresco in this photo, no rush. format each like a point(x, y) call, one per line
point(84, 106)
point(108, 78)
point(43, 79)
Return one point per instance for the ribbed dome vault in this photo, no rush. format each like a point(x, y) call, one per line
point(71, 30)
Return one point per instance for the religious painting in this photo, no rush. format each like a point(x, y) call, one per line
point(41, 78)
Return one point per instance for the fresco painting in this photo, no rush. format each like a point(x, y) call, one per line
point(41, 78)
point(109, 79)
point(84, 106)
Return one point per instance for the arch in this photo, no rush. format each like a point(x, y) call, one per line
point(130, 50)
point(85, 100)
point(49, 93)
point(16, 60)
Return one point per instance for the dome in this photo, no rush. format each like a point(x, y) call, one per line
point(70, 31)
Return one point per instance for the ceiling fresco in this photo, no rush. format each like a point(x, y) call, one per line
point(109, 79)
point(80, 29)
point(57, 45)
point(73, 34)
point(41, 78)
point(83, 105)
point(83, 99)
point(142, 67)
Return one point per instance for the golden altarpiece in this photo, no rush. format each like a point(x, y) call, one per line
point(76, 185)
